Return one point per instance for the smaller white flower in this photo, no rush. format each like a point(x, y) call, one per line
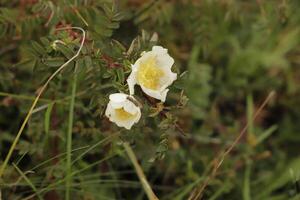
point(153, 73)
point(122, 111)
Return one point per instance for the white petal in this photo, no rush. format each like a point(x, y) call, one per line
point(165, 60)
point(146, 56)
point(143, 53)
point(118, 97)
point(126, 124)
point(117, 100)
point(157, 94)
point(130, 107)
point(131, 81)
point(168, 79)
point(162, 56)
point(109, 110)
point(138, 116)
point(159, 50)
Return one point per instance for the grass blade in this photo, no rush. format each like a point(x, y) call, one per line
point(140, 172)
point(28, 181)
point(246, 188)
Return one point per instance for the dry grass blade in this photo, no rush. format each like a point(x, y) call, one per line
point(140, 173)
point(198, 192)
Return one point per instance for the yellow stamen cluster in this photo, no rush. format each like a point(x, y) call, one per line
point(123, 114)
point(149, 74)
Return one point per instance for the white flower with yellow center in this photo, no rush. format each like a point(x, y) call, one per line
point(122, 111)
point(153, 73)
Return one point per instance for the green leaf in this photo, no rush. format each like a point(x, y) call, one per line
point(54, 62)
point(38, 48)
point(121, 76)
point(280, 178)
point(65, 50)
point(48, 118)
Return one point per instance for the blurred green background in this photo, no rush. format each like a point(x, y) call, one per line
point(229, 56)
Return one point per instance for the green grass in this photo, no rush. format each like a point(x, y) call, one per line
point(229, 56)
point(28, 182)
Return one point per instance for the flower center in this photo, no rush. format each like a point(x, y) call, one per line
point(123, 114)
point(149, 74)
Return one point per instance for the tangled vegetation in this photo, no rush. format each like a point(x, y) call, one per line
point(228, 128)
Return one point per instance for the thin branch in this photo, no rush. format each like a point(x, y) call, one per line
point(164, 115)
point(140, 173)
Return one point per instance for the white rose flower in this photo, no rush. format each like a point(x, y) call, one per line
point(153, 73)
point(122, 111)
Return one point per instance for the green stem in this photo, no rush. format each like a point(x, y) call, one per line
point(246, 187)
point(69, 138)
